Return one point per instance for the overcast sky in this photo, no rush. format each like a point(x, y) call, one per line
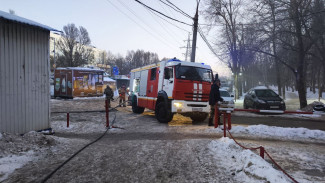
point(121, 25)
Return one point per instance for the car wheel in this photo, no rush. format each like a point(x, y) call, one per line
point(163, 114)
point(135, 108)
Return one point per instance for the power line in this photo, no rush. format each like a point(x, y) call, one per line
point(151, 13)
point(169, 10)
point(176, 8)
point(130, 10)
point(166, 19)
point(179, 9)
point(207, 43)
point(170, 23)
point(138, 24)
point(161, 13)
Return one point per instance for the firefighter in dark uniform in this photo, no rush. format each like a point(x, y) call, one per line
point(109, 95)
point(214, 98)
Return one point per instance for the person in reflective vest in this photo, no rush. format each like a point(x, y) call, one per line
point(122, 91)
point(214, 98)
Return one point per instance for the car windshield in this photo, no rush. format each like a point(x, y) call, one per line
point(193, 73)
point(224, 94)
point(265, 93)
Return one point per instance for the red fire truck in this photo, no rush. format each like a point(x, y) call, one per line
point(170, 87)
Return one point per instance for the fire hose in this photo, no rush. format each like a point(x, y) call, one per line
point(76, 153)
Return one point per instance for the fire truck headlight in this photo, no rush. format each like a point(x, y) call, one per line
point(178, 104)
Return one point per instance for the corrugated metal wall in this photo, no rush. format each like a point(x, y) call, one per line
point(24, 77)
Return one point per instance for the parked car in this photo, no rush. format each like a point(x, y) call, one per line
point(263, 98)
point(319, 107)
point(227, 98)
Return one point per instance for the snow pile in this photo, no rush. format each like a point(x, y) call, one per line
point(263, 131)
point(244, 165)
point(15, 144)
point(279, 132)
point(10, 163)
point(17, 150)
point(311, 106)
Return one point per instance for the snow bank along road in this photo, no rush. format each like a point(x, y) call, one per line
point(147, 151)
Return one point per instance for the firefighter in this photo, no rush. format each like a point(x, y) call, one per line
point(109, 95)
point(122, 92)
point(214, 98)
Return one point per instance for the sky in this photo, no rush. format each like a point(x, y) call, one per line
point(119, 26)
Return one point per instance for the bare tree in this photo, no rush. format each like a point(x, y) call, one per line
point(289, 33)
point(227, 13)
point(318, 51)
point(75, 47)
point(132, 60)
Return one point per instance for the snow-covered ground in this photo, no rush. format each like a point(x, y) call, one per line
point(242, 162)
point(16, 151)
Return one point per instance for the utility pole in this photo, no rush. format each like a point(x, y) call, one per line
point(196, 19)
point(188, 47)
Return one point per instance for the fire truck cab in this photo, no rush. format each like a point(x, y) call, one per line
point(170, 87)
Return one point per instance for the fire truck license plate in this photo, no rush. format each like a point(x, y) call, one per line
point(197, 109)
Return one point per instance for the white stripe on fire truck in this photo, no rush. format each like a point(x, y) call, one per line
point(194, 91)
point(200, 92)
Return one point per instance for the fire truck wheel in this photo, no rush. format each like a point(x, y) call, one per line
point(135, 108)
point(199, 117)
point(163, 115)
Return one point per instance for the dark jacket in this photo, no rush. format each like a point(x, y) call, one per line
point(108, 92)
point(214, 96)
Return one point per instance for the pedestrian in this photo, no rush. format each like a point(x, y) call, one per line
point(214, 98)
point(122, 91)
point(109, 95)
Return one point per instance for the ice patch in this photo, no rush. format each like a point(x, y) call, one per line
point(10, 163)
